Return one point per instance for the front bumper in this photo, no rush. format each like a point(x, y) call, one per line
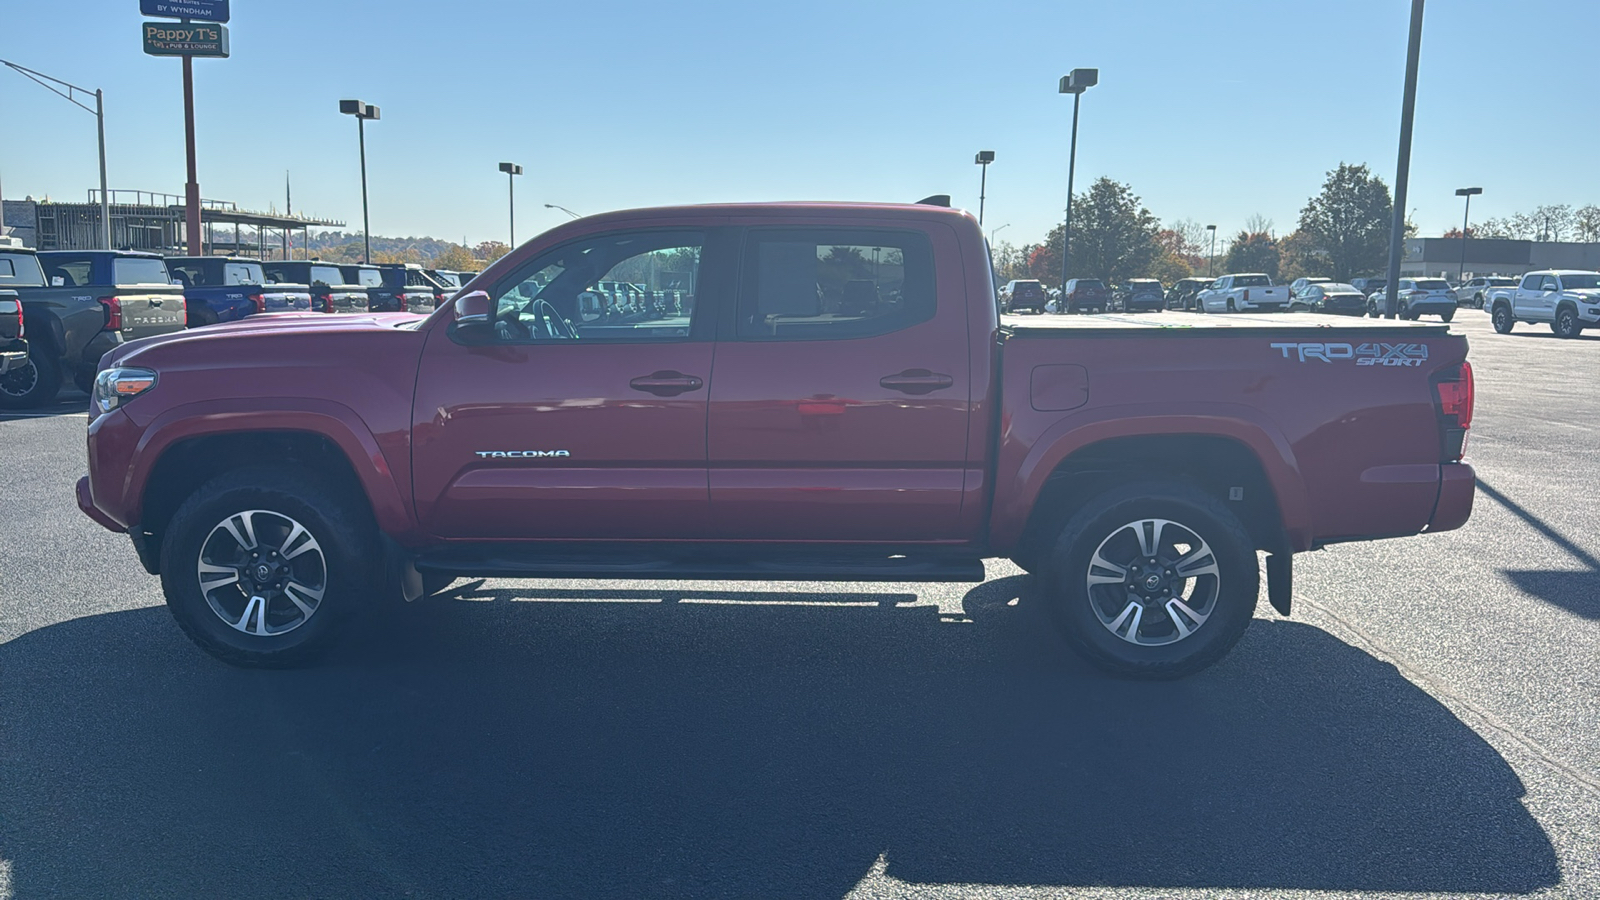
point(1457, 486)
point(86, 504)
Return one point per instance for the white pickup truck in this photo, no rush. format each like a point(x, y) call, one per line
point(1243, 293)
point(1567, 299)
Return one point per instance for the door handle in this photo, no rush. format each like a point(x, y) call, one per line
point(666, 383)
point(916, 381)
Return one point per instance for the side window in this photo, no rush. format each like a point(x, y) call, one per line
point(635, 286)
point(1530, 283)
point(833, 284)
point(1549, 283)
point(189, 275)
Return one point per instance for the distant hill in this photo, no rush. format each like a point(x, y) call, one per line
point(342, 246)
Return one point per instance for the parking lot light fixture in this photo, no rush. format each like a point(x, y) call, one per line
point(1074, 83)
point(362, 111)
point(983, 159)
point(512, 170)
point(1211, 267)
point(1469, 193)
point(78, 97)
point(563, 209)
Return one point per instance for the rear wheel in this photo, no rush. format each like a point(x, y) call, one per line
point(1448, 315)
point(1231, 306)
point(261, 566)
point(35, 382)
point(1503, 320)
point(1566, 324)
point(1154, 579)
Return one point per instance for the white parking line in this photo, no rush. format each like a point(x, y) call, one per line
point(43, 415)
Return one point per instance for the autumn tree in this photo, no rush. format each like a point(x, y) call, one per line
point(489, 251)
point(1298, 257)
point(1349, 221)
point(1253, 252)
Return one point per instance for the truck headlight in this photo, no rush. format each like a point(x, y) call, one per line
point(119, 384)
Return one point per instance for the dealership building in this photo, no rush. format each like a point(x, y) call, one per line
point(1441, 257)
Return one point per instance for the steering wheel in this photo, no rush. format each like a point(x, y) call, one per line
point(546, 315)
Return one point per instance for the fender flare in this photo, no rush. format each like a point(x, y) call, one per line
point(1242, 424)
point(324, 418)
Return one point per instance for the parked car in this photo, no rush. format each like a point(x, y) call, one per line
point(1474, 291)
point(1332, 297)
point(1022, 294)
point(1368, 285)
point(1300, 284)
point(1142, 294)
point(330, 292)
point(1181, 295)
point(834, 439)
point(13, 331)
point(225, 289)
point(1418, 297)
point(76, 305)
point(1085, 295)
point(1567, 299)
point(1246, 292)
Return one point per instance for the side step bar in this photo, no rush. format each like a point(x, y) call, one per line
point(501, 562)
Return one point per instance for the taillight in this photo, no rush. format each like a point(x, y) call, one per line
point(113, 307)
point(260, 301)
point(326, 300)
point(1456, 398)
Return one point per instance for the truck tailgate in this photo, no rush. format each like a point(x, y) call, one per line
point(149, 310)
point(286, 297)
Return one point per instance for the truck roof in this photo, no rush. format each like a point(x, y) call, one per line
point(783, 208)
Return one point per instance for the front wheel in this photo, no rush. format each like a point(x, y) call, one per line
point(1154, 579)
point(1503, 320)
point(1566, 324)
point(261, 566)
point(35, 382)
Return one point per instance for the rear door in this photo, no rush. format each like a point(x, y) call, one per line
point(842, 392)
point(570, 423)
point(151, 304)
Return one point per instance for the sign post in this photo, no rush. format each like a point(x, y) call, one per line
point(188, 38)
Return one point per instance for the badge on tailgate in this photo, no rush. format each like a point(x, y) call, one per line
point(1369, 354)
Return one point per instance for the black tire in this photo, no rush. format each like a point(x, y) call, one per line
point(1566, 324)
point(1105, 522)
point(1502, 318)
point(1231, 307)
point(83, 380)
point(34, 383)
point(338, 524)
point(1448, 315)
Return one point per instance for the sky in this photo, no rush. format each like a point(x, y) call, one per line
point(1211, 111)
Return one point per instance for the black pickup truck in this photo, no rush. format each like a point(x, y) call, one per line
point(331, 290)
point(395, 287)
point(76, 305)
point(13, 347)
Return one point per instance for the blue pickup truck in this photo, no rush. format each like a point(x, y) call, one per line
point(395, 287)
point(226, 289)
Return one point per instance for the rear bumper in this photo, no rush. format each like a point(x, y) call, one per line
point(98, 346)
point(12, 355)
point(86, 504)
point(1457, 487)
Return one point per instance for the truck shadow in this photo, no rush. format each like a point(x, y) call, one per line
point(646, 742)
point(1575, 591)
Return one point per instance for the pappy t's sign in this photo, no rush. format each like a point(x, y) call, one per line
point(186, 39)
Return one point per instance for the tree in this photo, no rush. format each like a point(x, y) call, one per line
point(1349, 221)
point(1298, 257)
point(454, 257)
point(1258, 224)
point(1253, 252)
point(1586, 222)
point(489, 251)
point(1113, 237)
point(1456, 233)
point(1553, 222)
point(1168, 268)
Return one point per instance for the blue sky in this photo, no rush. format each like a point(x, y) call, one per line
point(1211, 111)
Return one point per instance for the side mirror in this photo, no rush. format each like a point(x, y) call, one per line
point(472, 319)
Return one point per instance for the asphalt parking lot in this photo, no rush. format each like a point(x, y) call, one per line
point(1424, 725)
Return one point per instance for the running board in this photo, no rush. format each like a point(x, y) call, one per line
point(502, 562)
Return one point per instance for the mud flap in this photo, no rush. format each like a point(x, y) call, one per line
point(1280, 581)
point(400, 576)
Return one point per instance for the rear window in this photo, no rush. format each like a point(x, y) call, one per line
point(1334, 287)
point(369, 278)
point(326, 275)
point(20, 269)
point(139, 270)
point(1091, 283)
point(68, 274)
point(1433, 284)
point(1502, 282)
point(1252, 281)
point(243, 273)
point(1145, 286)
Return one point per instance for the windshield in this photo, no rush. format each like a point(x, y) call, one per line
point(139, 270)
point(1583, 282)
point(1433, 284)
point(20, 270)
point(1251, 281)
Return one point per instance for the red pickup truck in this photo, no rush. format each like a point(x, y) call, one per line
point(791, 392)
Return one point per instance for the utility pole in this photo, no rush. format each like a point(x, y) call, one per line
point(1469, 193)
point(1408, 108)
point(1074, 83)
point(983, 159)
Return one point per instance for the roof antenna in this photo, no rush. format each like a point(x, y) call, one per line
point(935, 200)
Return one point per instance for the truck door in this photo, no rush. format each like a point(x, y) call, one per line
point(571, 423)
point(1549, 290)
point(842, 393)
point(1525, 299)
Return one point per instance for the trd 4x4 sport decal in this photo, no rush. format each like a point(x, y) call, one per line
point(1375, 354)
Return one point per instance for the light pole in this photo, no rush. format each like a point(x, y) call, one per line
point(995, 231)
point(55, 85)
point(563, 209)
point(1469, 193)
point(1211, 267)
point(983, 159)
point(362, 112)
point(512, 170)
point(1408, 109)
point(1075, 83)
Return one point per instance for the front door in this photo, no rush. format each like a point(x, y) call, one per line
point(842, 394)
point(575, 420)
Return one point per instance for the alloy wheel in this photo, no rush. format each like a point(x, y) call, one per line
point(20, 381)
point(1153, 582)
point(262, 573)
